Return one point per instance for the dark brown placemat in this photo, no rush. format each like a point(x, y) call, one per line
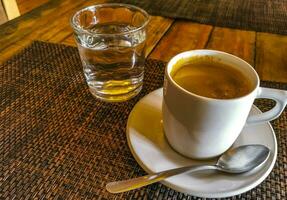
point(58, 141)
point(257, 15)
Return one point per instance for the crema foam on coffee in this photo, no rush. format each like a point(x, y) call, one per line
point(212, 79)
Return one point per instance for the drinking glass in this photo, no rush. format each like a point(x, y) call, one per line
point(111, 42)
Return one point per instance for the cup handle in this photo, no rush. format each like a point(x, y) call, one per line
point(280, 96)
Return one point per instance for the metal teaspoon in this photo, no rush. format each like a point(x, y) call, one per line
point(237, 160)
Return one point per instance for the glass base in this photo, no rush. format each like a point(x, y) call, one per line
point(115, 98)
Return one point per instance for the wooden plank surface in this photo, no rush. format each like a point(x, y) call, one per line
point(237, 42)
point(271, 57)
point(28, 5)
point(182, 36)
point(3, 16)
point(47, 23)
point(70, 40)
point(37, 24)
point(156, 29)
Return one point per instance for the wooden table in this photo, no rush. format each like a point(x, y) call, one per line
point(166, 37)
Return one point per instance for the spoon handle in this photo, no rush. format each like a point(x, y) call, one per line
point(131, 184)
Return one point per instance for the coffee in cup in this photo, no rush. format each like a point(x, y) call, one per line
point(206, 77)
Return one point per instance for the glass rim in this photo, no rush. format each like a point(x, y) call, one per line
point(76, 28)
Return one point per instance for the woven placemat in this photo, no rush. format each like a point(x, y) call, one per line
point(257, 15)
point(58, 141)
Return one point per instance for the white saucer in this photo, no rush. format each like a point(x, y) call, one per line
point(151, 150)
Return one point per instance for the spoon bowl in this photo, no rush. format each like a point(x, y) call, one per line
point(243, 158)
point(237, 160)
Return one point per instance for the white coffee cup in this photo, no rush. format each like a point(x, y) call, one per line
point(201, 127)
